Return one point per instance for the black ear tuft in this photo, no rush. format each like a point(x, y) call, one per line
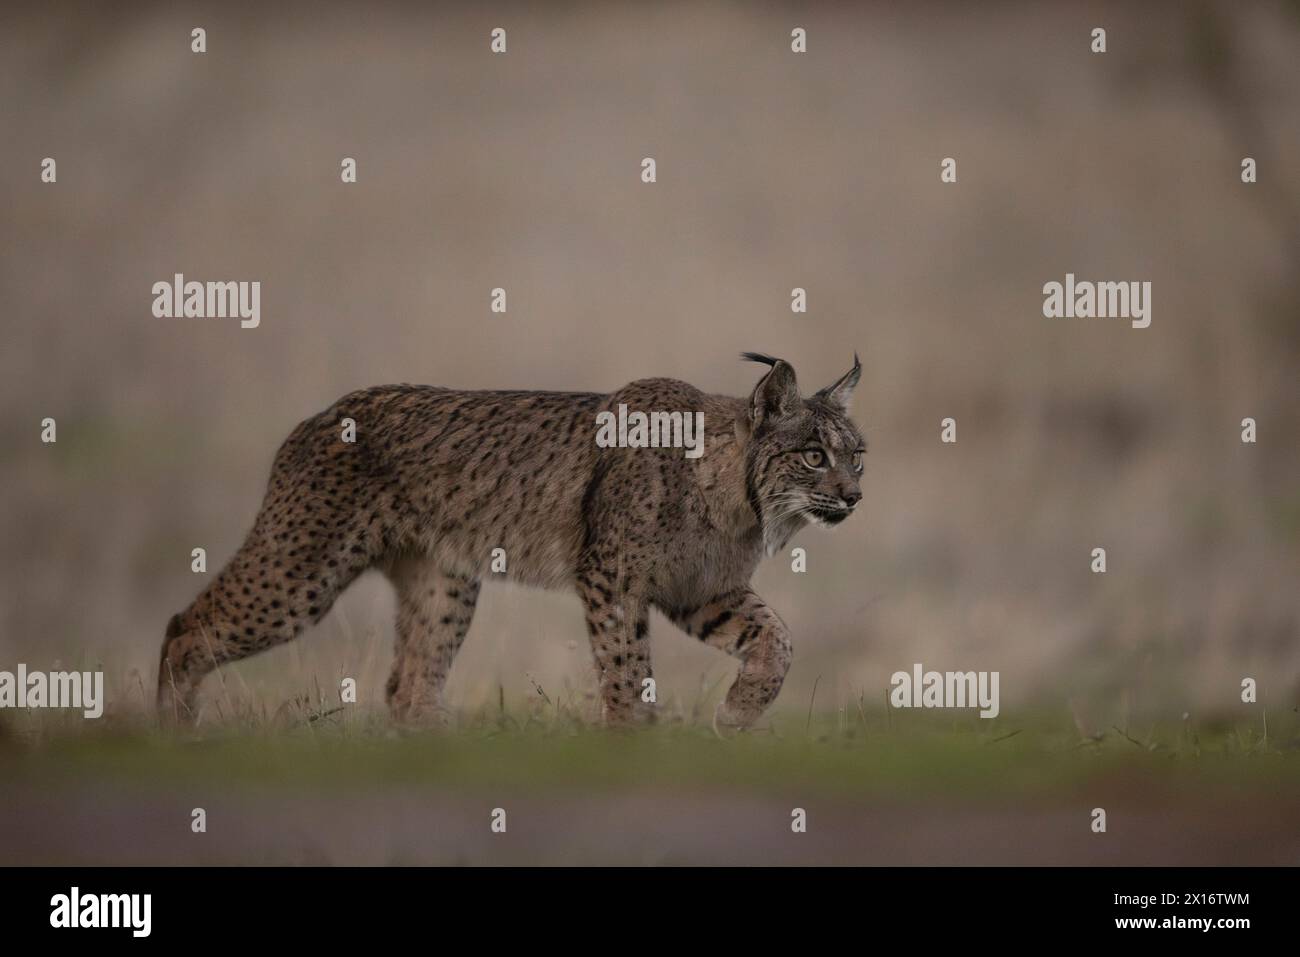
point(777, 394)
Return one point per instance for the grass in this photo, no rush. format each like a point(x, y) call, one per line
point(865, 754)
point(312, 784)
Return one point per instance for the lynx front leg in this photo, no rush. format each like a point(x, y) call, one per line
point(618, 624)
point(741, 624)
point(434, 611)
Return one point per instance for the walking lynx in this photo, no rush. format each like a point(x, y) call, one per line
point(434, 480)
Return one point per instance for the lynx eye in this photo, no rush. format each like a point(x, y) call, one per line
point(813, 458)
point(857, 461)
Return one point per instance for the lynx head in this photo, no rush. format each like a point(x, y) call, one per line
point(804, 456)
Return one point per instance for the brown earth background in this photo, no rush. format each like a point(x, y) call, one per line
point(775, 170)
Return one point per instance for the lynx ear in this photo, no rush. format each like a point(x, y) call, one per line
point(842, 391)
point(777, 394)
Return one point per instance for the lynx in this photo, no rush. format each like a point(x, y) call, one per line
point(435, 480)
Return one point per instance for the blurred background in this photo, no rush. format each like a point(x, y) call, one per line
point(775, 170)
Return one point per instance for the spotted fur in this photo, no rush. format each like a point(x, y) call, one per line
point(437, 479)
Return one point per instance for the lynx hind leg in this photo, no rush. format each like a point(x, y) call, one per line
point(742, 625)
point(618, 625)
point(184, 661)
point(257, 602)
point(315, 533)
point(435, 607)
point(278, 583)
